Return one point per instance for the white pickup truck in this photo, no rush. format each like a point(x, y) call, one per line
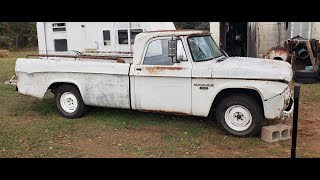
point(178, 71)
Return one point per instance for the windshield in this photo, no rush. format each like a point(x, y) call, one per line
point(203, 48)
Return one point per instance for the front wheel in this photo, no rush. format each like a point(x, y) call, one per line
point(240, 115)
point(69, 101)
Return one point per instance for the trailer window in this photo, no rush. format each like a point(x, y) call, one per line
point(106, 38)
point(157, 53)
point(59, 27)
point(60, 45)
point(123, 35)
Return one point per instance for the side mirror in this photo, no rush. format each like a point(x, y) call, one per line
point(172, 48)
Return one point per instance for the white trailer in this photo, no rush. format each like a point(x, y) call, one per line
point(72, 37)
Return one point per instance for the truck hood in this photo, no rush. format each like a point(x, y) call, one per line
point(252, 68)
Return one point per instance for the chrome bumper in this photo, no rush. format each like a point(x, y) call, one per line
point(12, 81)
point(288, 112)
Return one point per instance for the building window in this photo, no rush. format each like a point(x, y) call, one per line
point(123, 35)
point(60, 45)
point(56, 27)
point(106, 38)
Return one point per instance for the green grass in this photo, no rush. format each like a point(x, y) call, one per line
point(310, 92)
point(31, 127)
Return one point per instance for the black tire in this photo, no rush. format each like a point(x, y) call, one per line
point(251, 104)
point(307, 80)
point(81, 108)
point(305, 74)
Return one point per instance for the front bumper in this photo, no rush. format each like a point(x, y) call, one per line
point(288, 112)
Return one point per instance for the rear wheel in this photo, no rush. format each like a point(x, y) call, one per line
point(240, 115)
point(69, 101)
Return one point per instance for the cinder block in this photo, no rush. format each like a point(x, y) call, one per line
point(286, 133)
point(275, 133)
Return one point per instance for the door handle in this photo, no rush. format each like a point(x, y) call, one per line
point(138, 69)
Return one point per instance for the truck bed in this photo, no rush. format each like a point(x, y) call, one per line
point(102, 83)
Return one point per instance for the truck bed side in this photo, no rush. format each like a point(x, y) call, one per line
point(101, 83)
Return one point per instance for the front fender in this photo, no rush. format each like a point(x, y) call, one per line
point(269, 92)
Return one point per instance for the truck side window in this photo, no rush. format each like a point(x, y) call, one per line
point(157, 53)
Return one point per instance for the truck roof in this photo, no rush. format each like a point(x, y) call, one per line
point(181, 32)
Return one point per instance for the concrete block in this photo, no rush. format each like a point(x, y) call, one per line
point(275, 133)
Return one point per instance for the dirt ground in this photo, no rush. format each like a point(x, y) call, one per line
point(309, 128)
point(154, 141)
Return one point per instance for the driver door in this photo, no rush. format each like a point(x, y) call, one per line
point(161, 85)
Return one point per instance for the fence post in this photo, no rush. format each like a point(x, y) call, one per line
point(296, 97)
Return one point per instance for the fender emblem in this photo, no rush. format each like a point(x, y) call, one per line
point(203, 85)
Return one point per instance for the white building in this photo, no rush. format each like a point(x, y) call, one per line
point(66, 37)
point(260, 37)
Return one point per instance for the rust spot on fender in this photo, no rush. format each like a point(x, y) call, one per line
point(156, 70)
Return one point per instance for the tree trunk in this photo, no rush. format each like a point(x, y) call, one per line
point(17, 41)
